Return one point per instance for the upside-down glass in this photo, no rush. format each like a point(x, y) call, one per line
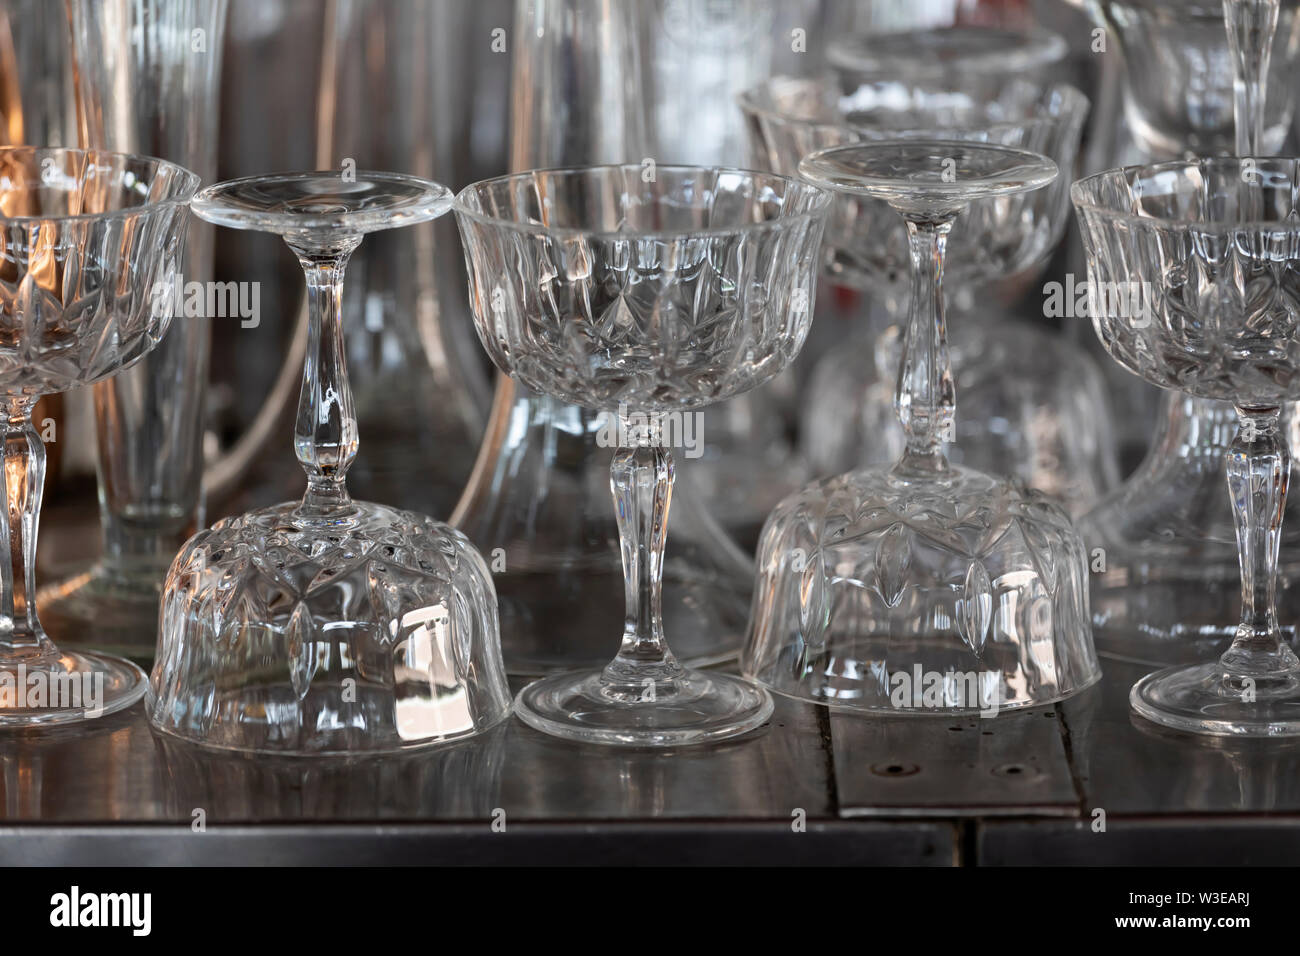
point(1213, 248)
point(328, 625)
point(89, 238)
point(1042, 419)
point(972, 583)
point(647, 293)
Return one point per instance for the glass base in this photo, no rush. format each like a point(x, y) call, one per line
point(1204, 699)
point(691, 708)
point(369, 630)
point(82, 686)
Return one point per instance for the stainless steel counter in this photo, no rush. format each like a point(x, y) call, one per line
point(808, 787)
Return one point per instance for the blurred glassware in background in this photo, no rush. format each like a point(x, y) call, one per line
point(147, 75)
point(1033, 403)
point(388, 81)
point(537, 505)
point(749, 459)
point(1167, 588)
point(422, 391)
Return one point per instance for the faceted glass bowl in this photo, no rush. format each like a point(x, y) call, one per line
point(1184, 250)
point(653, 289)
point(869, 585)
point(88, 238)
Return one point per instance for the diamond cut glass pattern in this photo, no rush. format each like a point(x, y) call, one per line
point(1208, 249)
point(327, 625)
point(87, 240)
point(639, 290)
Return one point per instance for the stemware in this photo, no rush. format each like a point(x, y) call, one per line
point(646, 292)
point(327, 625)
point(90, 239)
point(1167, 572)
point(538, 498)
point(968, 581)
point(1214, 247)
point(1042, 418)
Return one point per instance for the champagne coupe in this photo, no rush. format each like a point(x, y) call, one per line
point(1214, 245)
point(90, 241)
point(1168, 588)
point(327, 625)
point(969, 581)
point(646, 291)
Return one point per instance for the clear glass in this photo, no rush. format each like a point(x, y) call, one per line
point(647, 293)
point(926, 585)
point(327, 625)
point(1215, 245)
point(537, 502)
point(90, 238)
point(1046, 422)
point(1168, 591)
point(147, 80)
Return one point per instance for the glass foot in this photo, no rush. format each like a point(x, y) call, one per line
point(1205, 699)
point(694, 707)
point(81, 686)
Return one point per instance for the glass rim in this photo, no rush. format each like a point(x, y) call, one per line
point(188, 179)
point(1037, 47)
point(821, 197)
point(1082, 200)
point(746, 100)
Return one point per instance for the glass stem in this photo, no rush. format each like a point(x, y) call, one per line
point(641, 481)
point(1259, 467)
point(325, 433)
point(21, 635)
point(925, 398)
point(1251, 25)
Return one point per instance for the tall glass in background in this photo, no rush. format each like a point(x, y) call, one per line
point(146, 81)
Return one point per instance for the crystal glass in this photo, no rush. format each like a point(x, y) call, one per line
point(967, 581)
point(1167, 588)
point(538, 499)
point(89, 240)
point(1211, 250)
point(327, 625)
point(1045, 421)
point(647, 293)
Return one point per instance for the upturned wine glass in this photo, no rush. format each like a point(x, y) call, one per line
point(1205, 254)
point(646, 292)
point(326, 626)
point(879, 584)
point(89, 249)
